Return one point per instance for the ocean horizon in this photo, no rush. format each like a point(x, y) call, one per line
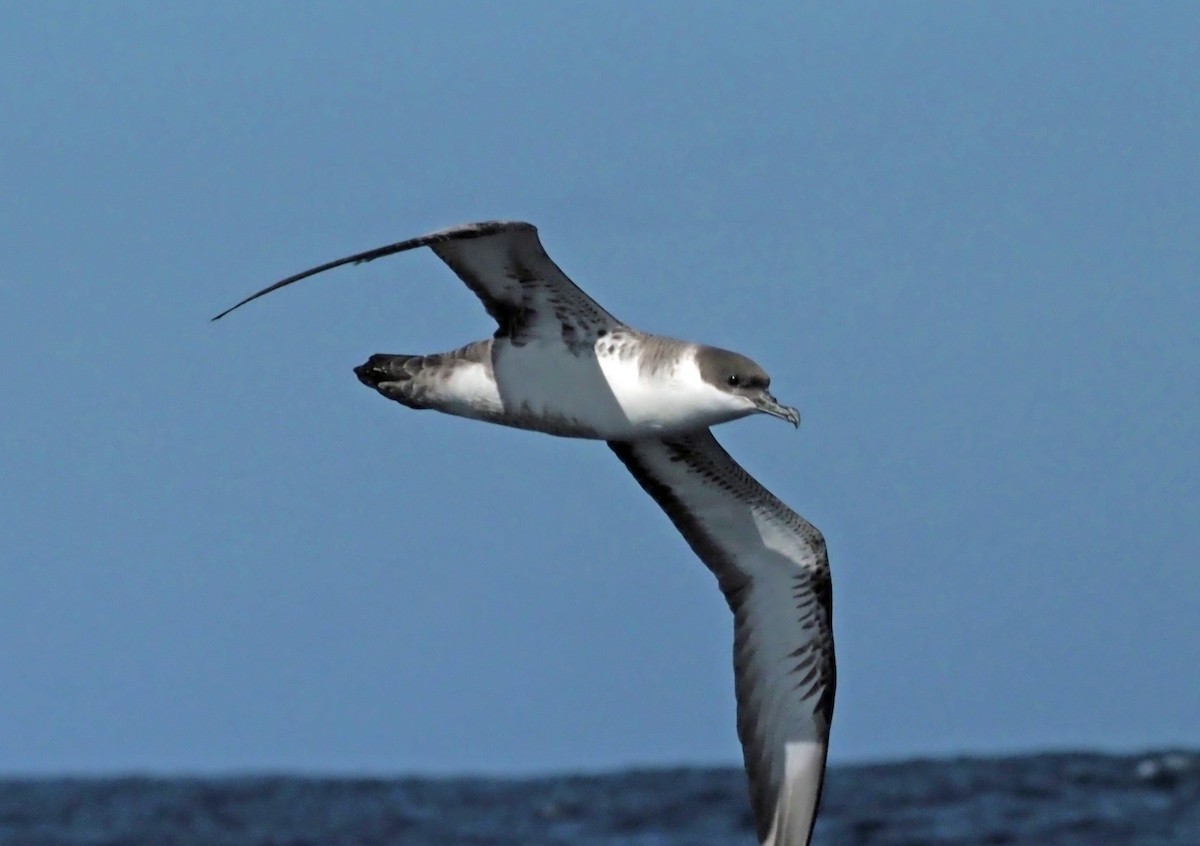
point(1098, 799)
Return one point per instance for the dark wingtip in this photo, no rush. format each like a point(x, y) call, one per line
point(242, 303)
point(357, 258)
point(470, 230)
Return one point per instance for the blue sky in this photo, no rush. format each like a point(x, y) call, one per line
point(961, 237)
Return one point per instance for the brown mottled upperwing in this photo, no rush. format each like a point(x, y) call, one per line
point(505, 265)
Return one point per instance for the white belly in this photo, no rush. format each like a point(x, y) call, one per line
point(602, 396)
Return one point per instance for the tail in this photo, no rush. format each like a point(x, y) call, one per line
point(395, 377)
point(436, 381)
point(381, 368)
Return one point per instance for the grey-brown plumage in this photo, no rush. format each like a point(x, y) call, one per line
point(772, 568)
point(556, 360)
point(726, 369)
point(513, 277)
point(414, 380)
point(561, 364)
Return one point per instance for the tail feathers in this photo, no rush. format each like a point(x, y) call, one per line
point(407, 379)
point(382, 367)
point(436, 380)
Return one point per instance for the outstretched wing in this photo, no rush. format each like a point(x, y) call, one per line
point(772, 567)
point(504, 263)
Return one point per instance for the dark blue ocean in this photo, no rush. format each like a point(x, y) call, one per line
point(1076, 799)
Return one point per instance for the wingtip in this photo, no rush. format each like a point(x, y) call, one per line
point(225, 312)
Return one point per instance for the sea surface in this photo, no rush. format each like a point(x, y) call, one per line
point(1078, 799)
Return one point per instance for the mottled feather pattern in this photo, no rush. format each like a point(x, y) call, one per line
point(694, 464)
point(504, 264)
point(522, 288)
point(411, 380)
point(418, 382)
point(559, 363)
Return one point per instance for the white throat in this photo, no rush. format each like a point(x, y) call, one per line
point(663, 396)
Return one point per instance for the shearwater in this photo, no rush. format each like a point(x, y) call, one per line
point(559, 363)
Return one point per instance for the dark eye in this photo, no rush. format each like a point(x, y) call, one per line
point(733, 381)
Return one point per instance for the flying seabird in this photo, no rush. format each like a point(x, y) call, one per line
point(559, 363)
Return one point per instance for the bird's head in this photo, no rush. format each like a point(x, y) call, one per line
point(741, 383)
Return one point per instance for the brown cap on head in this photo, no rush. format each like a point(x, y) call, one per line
point(728, 370)
point(735, 374)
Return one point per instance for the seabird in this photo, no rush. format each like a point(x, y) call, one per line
point(559, 363)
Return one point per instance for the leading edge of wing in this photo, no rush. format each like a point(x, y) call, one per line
point(454, 233)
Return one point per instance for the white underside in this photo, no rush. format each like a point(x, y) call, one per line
point(607, 396)
point(804, 764)
point(470, 391)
